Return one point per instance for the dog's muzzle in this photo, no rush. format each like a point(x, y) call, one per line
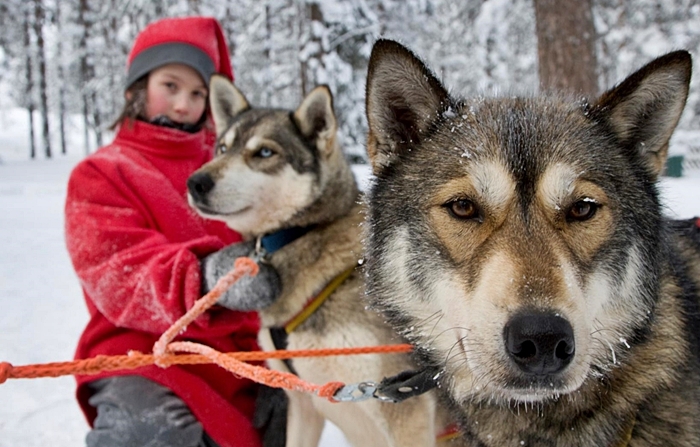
point(540, 344)
point(199, 185)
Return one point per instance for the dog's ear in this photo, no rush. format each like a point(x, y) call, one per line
point(403, 99)
point(316, 119)
point(226, 101)
point(645, 108)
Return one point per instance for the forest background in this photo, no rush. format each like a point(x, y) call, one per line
point(66, 58)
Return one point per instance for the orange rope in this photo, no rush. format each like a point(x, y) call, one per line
point(241, 267)
point(276, 379)
point(164, 351)
point(135, 359)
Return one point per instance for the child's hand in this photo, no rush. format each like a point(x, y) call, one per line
point(248, 293)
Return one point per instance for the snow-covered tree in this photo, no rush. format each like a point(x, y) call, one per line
point(280, 49)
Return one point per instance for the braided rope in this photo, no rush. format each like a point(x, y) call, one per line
point(167, 353)
point(136, 359)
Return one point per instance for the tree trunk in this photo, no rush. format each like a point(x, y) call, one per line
point(114, 62)
point(62, 81)
point(86, 124)
point(158, 8)
point(193, 6)
point(85, 68)
point(30, 80)
point(41, 56)
point(312, 48)
point(302, 63)
point(566, 45)
point(96, 119)
point(267, 92)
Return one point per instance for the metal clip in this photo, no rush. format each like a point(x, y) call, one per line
point(259, 254)
point(355, 392)
point(379, 395)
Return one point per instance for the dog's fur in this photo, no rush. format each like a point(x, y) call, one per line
point(279, 169)
point(519, 243)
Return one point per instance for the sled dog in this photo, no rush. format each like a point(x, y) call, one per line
point(519, 244)
point(282, 170)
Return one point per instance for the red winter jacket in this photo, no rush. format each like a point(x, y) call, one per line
point(135, 245)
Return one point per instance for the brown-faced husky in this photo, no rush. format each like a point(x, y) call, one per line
point(281, 173)
point(519, 243)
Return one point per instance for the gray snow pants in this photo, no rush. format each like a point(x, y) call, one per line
point(133, 411)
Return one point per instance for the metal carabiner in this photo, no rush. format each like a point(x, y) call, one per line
point(355, 392)
point(259, 253)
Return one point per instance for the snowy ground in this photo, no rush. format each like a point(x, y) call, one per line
point(42, 311)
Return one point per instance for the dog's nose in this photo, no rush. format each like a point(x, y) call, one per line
point(199, 184)
point(539, 343)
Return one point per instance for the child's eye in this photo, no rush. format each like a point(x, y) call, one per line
point(200, 94)
point(171, 86)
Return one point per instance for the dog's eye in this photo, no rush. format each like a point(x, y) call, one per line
point(463, 209)
point(582, 210)
point(221, 149)
point(264, 152)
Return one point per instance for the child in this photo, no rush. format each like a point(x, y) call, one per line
point(138, 251)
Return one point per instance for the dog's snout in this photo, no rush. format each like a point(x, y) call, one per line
point(539, 343)
point(199, 184)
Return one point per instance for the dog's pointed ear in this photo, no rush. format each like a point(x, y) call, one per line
point(316, 119)
point(403, 99)
point(226, 101)
point(644, 109)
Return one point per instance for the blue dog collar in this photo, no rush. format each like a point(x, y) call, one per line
point(274, 241)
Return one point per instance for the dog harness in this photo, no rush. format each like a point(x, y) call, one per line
point(314, 303)
point(270, 243)
point(279, 334)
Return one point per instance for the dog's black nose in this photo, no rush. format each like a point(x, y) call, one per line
point(199, 184)
point(539, 343)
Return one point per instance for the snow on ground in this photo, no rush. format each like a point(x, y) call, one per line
point(42, 311)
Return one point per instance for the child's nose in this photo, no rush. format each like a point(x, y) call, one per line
point(182, 104)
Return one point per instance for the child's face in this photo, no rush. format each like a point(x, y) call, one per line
point(176, 91)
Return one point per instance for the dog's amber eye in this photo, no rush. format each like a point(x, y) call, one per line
point(582, 210)
point(221, 149)
point(264, 152)
point(463, 209)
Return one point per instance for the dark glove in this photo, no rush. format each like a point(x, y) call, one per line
point(248, 293)
point(271, 415)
